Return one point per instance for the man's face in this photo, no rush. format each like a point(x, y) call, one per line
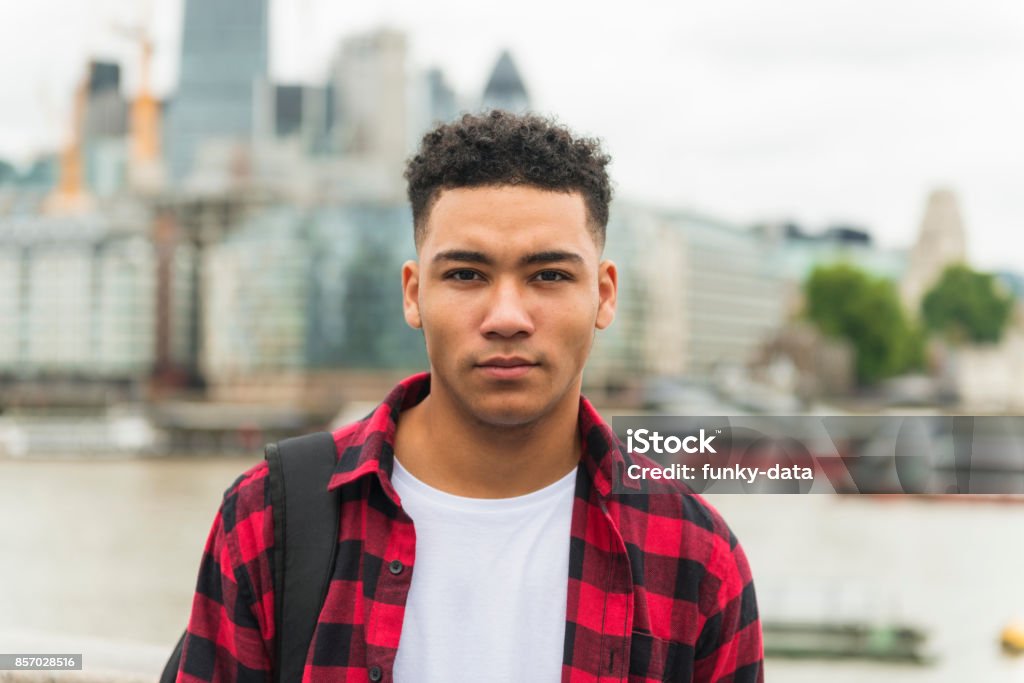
point(509, 290)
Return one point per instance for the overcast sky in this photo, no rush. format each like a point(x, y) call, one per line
point(817, 110)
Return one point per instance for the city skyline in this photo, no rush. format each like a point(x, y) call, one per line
point(850, 113)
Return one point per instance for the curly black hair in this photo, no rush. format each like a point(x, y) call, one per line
point(501, 148)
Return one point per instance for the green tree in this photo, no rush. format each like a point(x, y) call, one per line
point(844, 301)
point(966, 306)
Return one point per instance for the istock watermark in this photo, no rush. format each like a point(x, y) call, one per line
point(644, 440)
point(813, 454)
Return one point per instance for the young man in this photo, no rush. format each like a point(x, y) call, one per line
point(480, 538)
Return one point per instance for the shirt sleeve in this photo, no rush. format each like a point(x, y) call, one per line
point(229, 636)
point(730, 648)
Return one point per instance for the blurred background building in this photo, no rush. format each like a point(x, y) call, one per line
point(78, 305)
point(505, 88)
point(224, 67)
point(105, 130)
point(697, 294)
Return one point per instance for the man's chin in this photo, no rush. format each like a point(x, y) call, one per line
point(506, 415)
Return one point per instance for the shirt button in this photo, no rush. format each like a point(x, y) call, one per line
point(375, 673)
point(396, 567)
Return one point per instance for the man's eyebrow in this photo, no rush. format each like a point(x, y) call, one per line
point(464, 255)
point(542, 257)
point(538, 258)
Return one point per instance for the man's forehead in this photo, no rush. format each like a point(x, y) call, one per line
point(504, 218)
point(510, 191)
point(512, 205)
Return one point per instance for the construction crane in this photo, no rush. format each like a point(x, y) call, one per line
point(144, 127)
point(69, 195)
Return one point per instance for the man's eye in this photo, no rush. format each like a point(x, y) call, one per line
point(463, 275)
point(551, 276)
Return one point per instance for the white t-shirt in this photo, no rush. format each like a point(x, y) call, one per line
point(488, 594)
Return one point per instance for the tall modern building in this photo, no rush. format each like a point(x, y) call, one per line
point(369, 84)
point(505, 89)
point(104, 126)
point(432, 101)
point(301, 113)
point(224, 70)
point(103, 77)
point(442, 104)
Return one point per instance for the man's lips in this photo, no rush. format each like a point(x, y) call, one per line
point(506, 367)
point(506, 361)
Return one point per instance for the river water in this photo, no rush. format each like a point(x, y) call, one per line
point(103, 555)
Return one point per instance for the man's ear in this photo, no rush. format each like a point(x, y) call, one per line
point(607, 289)
point(411, 294)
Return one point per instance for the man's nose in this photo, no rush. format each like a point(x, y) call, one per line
point(507, 311)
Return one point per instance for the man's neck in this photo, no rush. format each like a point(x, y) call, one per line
point(442, 446)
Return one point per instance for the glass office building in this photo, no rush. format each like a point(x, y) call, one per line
point(310, 289)
point(224, 64)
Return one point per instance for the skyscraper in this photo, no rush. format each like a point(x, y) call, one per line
point(431, 101)
point(104, 125)
point(369, 129)
point(224, 65)
point(505, 89)
point(369, 79)
point(441, 98)
point(103, 76)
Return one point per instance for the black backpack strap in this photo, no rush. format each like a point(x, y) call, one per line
point(170, 672)
point(305, 538)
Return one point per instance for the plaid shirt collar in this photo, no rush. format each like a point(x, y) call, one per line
point(368, 446)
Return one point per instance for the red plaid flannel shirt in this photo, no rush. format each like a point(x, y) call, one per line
point(659, 588)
